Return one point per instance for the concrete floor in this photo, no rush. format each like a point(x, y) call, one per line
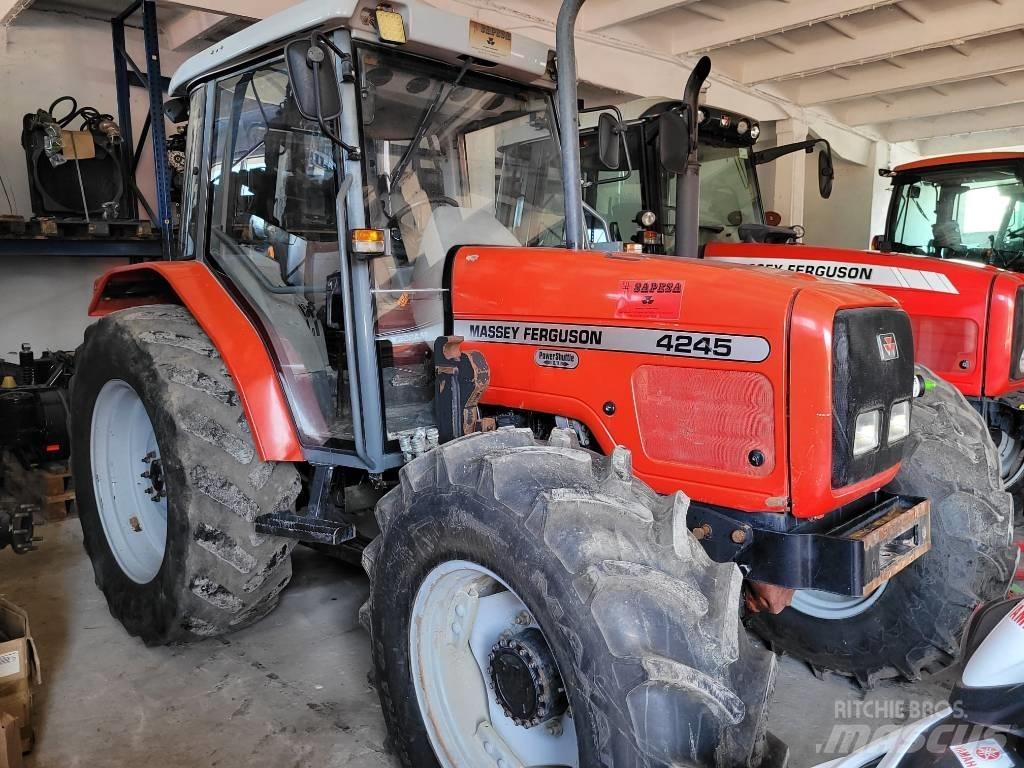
point(292, 691)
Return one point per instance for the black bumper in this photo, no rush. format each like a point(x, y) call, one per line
point(849, 552)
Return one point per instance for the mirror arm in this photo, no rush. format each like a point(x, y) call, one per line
point(351, 151)
point(317, 39)
point(774, 153)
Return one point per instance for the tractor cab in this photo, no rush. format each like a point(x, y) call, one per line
point(406, 151)
point(638, 197)
point(960, 207)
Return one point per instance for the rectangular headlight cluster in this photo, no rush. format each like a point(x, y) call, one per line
point(867, 433)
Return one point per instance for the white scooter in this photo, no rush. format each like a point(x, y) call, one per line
point(983, 726)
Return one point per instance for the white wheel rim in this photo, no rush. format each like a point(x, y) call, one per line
point(124, 447)
point(831, 607)
point(460, 611)
point(1011, 464)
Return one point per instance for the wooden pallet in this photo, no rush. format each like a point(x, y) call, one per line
point(76, 228)
point(49, 487)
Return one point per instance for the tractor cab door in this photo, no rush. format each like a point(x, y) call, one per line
point(272, 231)
point(451, 158)
point(441, 156)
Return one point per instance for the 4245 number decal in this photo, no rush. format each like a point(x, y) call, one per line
point(690, 345)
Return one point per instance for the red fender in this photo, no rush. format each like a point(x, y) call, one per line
point(232, 332)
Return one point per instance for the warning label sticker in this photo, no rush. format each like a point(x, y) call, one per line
point(650, 299)
point(490, 41)
point(987, 753)
point(10, 664)
point(1017, 615)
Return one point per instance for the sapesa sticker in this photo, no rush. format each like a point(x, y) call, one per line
point(987, 753)
point(650, 299)
point(10, 663)
point(489, 40)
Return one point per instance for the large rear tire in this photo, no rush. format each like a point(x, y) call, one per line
point(915, 623)
point(643, 628)
point(151, 397)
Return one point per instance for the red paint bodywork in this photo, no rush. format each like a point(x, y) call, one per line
point(233, 334)
point(973, 325)
point(794, 313)
point(968, 157)
point(583, 287)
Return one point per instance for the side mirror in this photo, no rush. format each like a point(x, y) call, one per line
point(673, 141)
point(176, 109)
point(826, 173)
point(312, 80)
point(609, 145)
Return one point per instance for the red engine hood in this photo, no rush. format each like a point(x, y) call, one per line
point(961, 311)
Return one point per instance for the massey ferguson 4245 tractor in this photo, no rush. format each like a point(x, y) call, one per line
point(381, 336)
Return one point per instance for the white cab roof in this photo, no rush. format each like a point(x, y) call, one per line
point(430, 32)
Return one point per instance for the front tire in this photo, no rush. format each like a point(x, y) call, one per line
point(915, 624)
point(191, 564)
point(642, 627)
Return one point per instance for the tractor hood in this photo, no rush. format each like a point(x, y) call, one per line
point(964, 314)
point(691, 360)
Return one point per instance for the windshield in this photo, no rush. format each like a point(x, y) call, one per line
point(967, 212)
point(728, 191)
point(728, 195)
point(451, 158)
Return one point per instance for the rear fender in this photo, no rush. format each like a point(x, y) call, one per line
point(245, 355)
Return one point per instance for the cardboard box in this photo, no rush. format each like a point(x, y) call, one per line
point(19, 670)
point(10, 742)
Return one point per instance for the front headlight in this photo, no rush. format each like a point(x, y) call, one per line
point(866, 433)
point(899, 421)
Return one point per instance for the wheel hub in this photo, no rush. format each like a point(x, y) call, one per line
point(155, 475)
point(525, 679)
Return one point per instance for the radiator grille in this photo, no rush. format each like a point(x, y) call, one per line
point(703, 418)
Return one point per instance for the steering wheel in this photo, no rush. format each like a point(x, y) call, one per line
point(433, 201)
point(1015, 234)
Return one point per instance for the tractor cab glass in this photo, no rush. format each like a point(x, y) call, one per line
point(447, 157)
point(729, 195)
point(451, 158)
point(959, 213)
point(729, 192)
point(273, 230)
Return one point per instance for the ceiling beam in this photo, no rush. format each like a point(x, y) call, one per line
point(192, 26)
point(979, 121)
point(242, 9)
point(763, 18)
point(958, 97)
point(1005, 138)
point(898, 34)
point(9, 10)
point(600, 14)
point(993, 56)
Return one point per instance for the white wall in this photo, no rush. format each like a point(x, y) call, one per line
point(47, 55)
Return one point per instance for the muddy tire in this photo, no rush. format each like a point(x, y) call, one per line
point(915, 624)
point(642, 626)
point(211, 573)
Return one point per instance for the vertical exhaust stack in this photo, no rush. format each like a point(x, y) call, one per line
point(688, 184)
point(568, 120)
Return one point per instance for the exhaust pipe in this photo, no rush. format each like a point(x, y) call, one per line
point(688, 183)
point(568, 121)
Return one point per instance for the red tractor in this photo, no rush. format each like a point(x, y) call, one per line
point(635, 198)
point(381, 335)
point(953, 243)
